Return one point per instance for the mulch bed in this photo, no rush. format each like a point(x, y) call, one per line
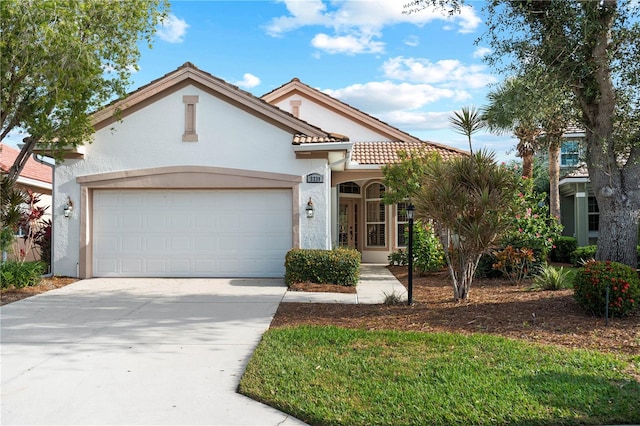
point(322, 288)
point(494, 306)
point(15, 294)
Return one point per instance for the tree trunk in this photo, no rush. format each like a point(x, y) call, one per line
point(618, 230)
point(554, 179)
point(616, 185)
point(21, 159)
point(527, 164)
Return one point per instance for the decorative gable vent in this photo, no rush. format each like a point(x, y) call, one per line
point(190, 134)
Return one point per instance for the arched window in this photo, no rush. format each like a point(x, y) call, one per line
point(375, 220)
point(349, 188)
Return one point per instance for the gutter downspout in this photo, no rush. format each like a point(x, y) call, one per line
point(53, 186)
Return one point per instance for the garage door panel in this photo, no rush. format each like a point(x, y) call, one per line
point(191, 233)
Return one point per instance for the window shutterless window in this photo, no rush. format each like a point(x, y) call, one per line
point(375, 216)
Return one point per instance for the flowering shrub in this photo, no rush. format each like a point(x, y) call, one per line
point(532, 228)
point(591, 283)
point(515, 263)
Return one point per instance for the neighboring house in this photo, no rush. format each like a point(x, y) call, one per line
point(579, 212)
point(195, 177)
point(35, 177)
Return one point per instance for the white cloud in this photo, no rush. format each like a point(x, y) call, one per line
point(412, 41)
point(248, 81)
point(448, 72)
point(417, 120)
point(481, 52)
point(172, 29)
point(347, 44)
point(386, 96)
point(361, 20)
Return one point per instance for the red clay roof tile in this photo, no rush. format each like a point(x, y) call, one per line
point(32, 170)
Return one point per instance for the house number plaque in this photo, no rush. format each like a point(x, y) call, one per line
point(315, 178)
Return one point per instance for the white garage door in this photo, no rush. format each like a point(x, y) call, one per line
point(191, 233)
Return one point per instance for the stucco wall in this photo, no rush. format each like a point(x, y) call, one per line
point(330, 120)
point(151, 137)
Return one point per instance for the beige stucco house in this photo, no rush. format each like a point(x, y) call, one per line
point(195, 177)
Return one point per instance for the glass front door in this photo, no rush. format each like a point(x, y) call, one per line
point(348, 223)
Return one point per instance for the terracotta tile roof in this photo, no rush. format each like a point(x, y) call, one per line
point(300, 139)
point(32, 170)
point(386, 152)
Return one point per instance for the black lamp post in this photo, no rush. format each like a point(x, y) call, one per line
point(410, 210)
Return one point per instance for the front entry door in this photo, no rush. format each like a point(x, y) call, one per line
point(348, 223)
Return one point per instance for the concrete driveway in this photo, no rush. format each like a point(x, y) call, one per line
point(136, 351)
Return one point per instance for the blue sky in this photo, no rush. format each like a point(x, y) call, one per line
point(410, 70)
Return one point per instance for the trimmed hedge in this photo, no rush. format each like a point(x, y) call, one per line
point(340, 266)
point(563, 247)
point(583, 254)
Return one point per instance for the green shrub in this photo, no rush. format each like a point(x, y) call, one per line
point(428, 255)
point(485, 267)
point(340, 266)
point(562, 249)
point(550, 278)
point(583, 254)
point(532, 226)
point(21, 274)
point(398, 258)
point(594, 277)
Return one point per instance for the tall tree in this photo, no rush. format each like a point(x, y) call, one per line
point(467, 121)
point(590, 47)
point(509, 112)
point(61, 59)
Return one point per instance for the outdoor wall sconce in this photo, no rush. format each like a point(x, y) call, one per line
point(68, 207)
point(309, 208)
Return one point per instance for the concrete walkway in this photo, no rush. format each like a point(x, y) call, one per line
point(376, 282)
point(147, 351)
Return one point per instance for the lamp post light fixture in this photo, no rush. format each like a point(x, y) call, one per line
point(68, 207)
point(410, 211)
point(309, 209)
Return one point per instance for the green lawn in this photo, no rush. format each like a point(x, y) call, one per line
point(334, 376)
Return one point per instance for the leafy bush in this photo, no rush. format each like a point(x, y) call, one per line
point(594, 277)
point(21, 274)
point(515, 263)
point(532, 227)
point(340, 266)
point(563, 247)
point(550, 278)
point(583, 254)
point(428, 255)
point(485, 267)
point(398, 258)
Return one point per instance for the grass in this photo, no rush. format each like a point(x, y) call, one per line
point(334, 376)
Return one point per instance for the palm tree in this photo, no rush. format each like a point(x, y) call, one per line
point(467, 121)
point(509, 111)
